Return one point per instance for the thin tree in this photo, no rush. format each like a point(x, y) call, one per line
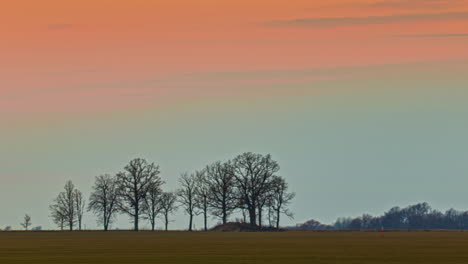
point(104, 200)
point(80, 205)
point(263, 200)
point(271, 213)
point(168, 206)
point(26, 222)
point(58, 215)
point(223, 199)
point(64, 205)
point(68, 199)
point(253, 173)
point(152, 202)
point(280, 198)
point(203, 196)
point(188, 195)
point(133, 184)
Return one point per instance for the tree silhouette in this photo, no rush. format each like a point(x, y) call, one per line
point(203, 196)
point(253, 174)
point(279, 198)
point(168, 206)
point(152, 201)
point(188, 195)
point(26, 222)
point(223, 198)
point(104, 199)
point(80, 205)
point(64, 208)
point(133, 185)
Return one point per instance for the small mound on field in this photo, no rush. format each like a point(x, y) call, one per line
point(243, 227)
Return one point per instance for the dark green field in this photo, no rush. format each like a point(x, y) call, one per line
point(184, 247)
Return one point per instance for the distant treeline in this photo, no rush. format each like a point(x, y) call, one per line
point(248, 185)
point(414, 217)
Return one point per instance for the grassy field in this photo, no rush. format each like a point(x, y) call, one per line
point(213, 247)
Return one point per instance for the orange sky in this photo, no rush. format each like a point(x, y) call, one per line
point(362, 95)
point(52, 48)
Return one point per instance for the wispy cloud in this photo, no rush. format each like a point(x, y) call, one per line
point(59, 26)
point(400, 4)
point(462, 35)
point(345, 21)
point(417, 3)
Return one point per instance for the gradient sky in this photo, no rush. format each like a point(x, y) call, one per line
point(363, 103)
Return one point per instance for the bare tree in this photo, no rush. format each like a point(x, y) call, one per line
point(103, 200)
point(68, 198)
point(280, 198)
point(271, 213)
point(263, 200)
point(168, 206)
point(80, 205)
point(187, 195)
point(203, 196)
point(253, 173)
point(57, 214)
point(152, 202)
point(223, 199)
point(64, 208)
point(26, 222)
point(133, 184)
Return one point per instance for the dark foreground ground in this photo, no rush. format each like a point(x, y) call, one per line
point(218, 247)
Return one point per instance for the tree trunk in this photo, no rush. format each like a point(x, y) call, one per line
point(278, 213)
point(224, 214)
point(190, 222)
point(105, 212)
point(135, 225)
point(137, 204)
point(205, 213)
point(253, 217)
point(269, 217)
point(105, 219)
point(260, 217)
point(205, 219)
point(136, 219)
point(167, 221)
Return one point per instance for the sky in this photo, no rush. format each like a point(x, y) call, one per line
point(362, 102)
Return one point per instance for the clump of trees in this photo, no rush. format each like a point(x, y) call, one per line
point(248, 184)
point(414, 217)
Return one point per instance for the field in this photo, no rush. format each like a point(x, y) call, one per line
point(218, 247)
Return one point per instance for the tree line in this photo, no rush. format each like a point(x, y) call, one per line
point(414, 217)
point(249, 184)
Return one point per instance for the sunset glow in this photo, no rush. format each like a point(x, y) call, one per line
point(81, 56)
point(351, 94)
